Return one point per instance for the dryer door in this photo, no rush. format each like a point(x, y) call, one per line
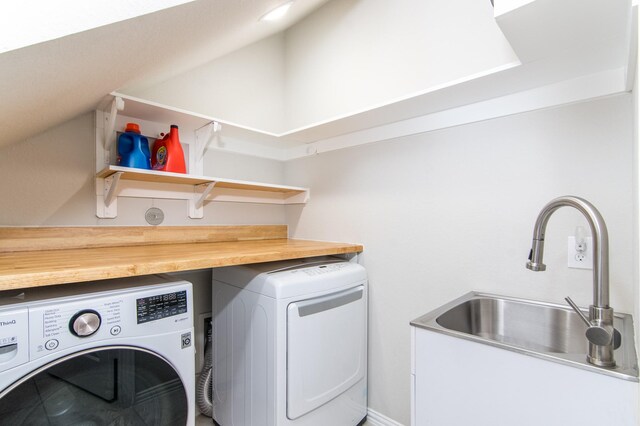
point(117, 385)
point(326, 348)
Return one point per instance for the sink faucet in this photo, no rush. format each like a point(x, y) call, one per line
point(603, 338)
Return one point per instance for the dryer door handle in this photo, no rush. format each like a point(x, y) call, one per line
point(330, 301)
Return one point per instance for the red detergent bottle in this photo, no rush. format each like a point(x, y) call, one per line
point(167, 153)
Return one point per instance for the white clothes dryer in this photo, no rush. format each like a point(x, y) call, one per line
point(113, 352)
point(290, 344)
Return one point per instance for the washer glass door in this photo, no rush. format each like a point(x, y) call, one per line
point(105, 386)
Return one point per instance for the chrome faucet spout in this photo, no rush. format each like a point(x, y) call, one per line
point(600, 243)
point(601, 333)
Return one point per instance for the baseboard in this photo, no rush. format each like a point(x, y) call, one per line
point(373, 419)
point(376, 419)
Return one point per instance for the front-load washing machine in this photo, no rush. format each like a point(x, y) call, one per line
point(114, 352)
point(290, 344)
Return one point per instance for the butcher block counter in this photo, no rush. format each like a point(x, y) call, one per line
point(33, 257)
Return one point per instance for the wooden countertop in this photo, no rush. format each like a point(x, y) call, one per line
point(22, 269)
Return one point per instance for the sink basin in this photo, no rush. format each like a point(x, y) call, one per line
point(540, 329)
point(536, 327)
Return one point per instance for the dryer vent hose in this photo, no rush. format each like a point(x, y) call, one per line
point(204, 390)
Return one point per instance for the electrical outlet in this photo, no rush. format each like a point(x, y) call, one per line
point(580, 257)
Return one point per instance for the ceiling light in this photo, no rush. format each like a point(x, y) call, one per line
point(277, 13)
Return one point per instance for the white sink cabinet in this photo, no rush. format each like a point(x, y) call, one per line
point(459, 382)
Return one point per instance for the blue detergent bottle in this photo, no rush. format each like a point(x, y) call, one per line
point(133, 148)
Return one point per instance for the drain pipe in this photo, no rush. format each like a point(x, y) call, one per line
point(204, 389)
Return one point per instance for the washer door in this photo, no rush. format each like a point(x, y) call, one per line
point(117, 385)
point(326, 348)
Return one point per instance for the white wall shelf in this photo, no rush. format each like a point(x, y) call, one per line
point(196, 133)
point(116, 181)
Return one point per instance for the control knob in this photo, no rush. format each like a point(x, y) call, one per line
point(85, 323)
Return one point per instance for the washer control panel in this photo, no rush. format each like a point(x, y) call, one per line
point(161, 306)
point(56, 325)
point(85, 323)
point(14, 329)
point(60, 325)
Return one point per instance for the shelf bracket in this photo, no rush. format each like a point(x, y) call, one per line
point(196, 204)
point(116, 105)
point(110, 187)
point(205, 194)
point(214, 129)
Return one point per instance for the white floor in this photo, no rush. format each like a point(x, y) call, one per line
point(203, 421)
point(206, 421)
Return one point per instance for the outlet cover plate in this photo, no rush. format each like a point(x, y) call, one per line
point(573, 261)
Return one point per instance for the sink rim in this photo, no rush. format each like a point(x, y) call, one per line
point(627, 370)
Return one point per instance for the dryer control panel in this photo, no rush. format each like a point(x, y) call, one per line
point(323, 269)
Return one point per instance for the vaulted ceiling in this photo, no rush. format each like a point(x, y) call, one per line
point(47, 83)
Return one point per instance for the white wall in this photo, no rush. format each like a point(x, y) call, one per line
point(244, 87)
point(451, 211)
point(636, 183)
point(347, 56)
point(353, 54)
point(48, 180)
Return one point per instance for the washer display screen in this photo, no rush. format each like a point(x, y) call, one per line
point(161, 306)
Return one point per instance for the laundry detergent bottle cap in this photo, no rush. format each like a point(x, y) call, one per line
point(167, 153)
point(132, 127)
point(133, 148)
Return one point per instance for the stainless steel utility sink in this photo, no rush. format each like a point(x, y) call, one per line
point(540, 329)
